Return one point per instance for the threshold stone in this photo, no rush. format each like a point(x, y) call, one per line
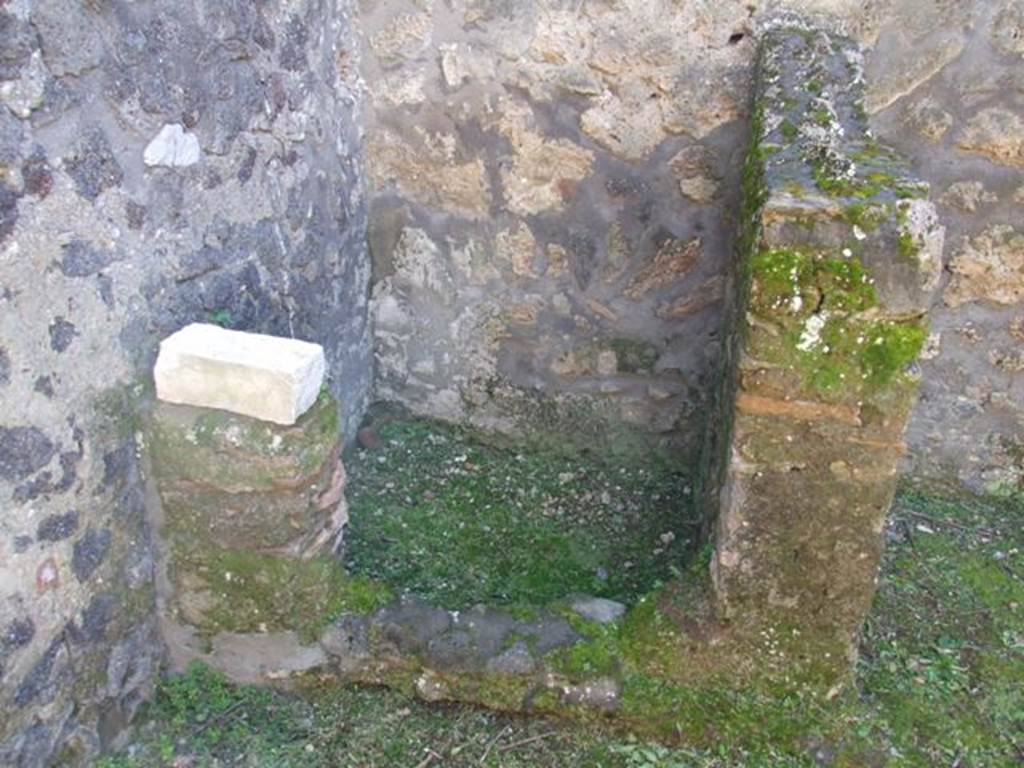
point(598, 609)
point(266, 377)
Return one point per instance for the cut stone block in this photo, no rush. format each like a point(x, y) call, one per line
point(172, 147)
point(266, 377)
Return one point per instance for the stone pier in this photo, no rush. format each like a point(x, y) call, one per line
point(840, 255)
point(251, 512)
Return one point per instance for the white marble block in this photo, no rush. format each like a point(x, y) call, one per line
point(266, 377)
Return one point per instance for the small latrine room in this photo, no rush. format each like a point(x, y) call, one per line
point(581, 348)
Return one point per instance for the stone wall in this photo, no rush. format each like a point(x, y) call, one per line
point(553, 182)
point(160, 163)
point(950, 96)
point(555, 195)
point(555, 198)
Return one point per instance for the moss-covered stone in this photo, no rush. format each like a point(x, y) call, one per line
point(235, 482)
point(231, 590)
point(829, 322)
point(825, 324)
point(240, 454)
point(251, 512)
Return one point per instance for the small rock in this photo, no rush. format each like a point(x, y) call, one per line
point(369, 439)
point(516, 660)
point(997, 134)
point(8, 210)
point(607, 363)
point(172, 147)
point(47, 575)
point(18, 634)
point(429, 178)
point(57, 527)
point(1008, 30)
point(459, 63)
point(673, 261)
point(404, 38)
point(968, 195)
point(347, 639)
point(429, 688)
point(23, 451)
point(631, 127)
point(62, 334)
point(694, 167)
point(90, 552)
point(989, 267)
point(92, 164)
point(26, 93)
point(598, 609)
point(81, 259)
point(599, 694)
point(929, 119)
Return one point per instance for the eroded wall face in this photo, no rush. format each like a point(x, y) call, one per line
point(160, 163)
point(554, 191)
point(951, 98)
point(550, 222)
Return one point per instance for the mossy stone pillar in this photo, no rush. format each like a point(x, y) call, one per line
point(839, 256)
point(252, 513)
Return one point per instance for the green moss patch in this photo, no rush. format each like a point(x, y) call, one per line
point(853, 356)
point(245, 591)
point(646, 642)
point(227, 450)
point(457, 522)
point(793, 283)
point(819, 304)
point(867, 216)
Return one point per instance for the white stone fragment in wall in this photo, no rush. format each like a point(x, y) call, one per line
point(266, 377)
point(26, 93)
point(173, 147)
